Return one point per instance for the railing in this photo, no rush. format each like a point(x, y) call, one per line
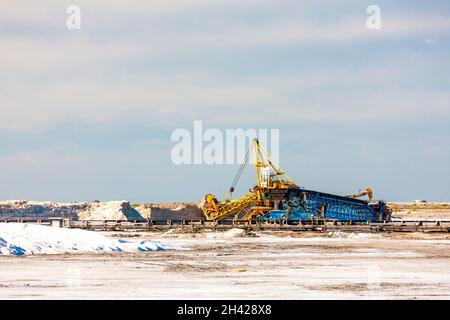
point(405, 225)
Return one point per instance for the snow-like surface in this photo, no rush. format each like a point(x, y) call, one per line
point(25, 239)
point(264, 267)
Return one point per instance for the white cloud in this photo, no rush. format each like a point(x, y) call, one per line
point(431, 41)
point(331, 95)
point(49, 11)
point(77, 77)
point(303, 33)
point(33, 55)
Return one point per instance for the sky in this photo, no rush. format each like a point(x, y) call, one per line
point(87, 114)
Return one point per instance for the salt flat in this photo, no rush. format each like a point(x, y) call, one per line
point(282, 266)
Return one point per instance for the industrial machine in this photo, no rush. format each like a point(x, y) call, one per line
point(367, 192)
point(277, 198)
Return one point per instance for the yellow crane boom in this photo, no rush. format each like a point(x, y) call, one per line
point(367, 192)
point(269, 175)
point(213, 210)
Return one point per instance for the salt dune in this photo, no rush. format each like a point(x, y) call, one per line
point(28, 239)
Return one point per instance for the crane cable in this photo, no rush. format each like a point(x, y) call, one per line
point(237, 177)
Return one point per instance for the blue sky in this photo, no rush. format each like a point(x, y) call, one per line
point(87, 114)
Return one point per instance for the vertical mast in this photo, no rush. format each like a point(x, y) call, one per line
point(268, 173)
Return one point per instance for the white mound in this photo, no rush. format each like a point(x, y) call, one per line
point(112, 210)
point(232, 233)
point(353, 235)
point(25, 239)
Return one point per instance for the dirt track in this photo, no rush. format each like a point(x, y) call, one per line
point(365, 266)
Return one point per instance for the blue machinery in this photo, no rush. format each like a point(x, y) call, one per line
point(277, 198)
point(305, 205)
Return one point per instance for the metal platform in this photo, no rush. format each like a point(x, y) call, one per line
point(396, 225)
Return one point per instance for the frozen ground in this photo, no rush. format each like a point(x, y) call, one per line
point(278, 266)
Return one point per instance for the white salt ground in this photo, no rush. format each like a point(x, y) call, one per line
point(26, 239)
point(232, 233)
point(354, 235)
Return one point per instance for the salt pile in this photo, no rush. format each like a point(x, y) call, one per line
point(112, 210)
point(171, 211)
point(24, 208)
point(232, 233)
point(26, 239)
point(95, 210)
